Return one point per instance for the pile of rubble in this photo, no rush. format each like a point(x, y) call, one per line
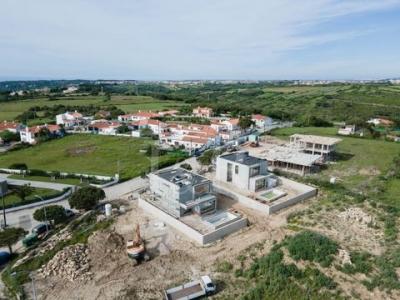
point(344, 257)
point(356, 214)
point(71, 263)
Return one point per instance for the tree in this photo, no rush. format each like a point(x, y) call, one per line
point(245, 122)
point(9, 236)
point(207, 157)
point(54, 213)
point(8, 136)
point(86, 198)
point(22, 191)
point(19, 166)
point(146, 132)
point(123, 129)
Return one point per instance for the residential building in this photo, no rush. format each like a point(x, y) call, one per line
point(30, 134)
point(231, 124)
point(70, 90)
point(140, 115)
point(261, 121)
point(70, 119)
point(244, 172)
point(380, 122)
point(104, 127)
point(291, 159)
point(179, 192)
point(156, 126)
point(10, 126)
point(347, 130)
point(203, 112)
point(314, 144)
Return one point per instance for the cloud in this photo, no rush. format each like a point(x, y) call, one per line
point(170, 39)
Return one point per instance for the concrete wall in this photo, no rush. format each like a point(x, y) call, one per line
point(246, 201)
point(190, 232)
point(305, 192)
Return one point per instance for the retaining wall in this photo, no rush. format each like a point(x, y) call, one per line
point(190, 232)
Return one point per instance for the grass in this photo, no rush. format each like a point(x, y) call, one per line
point(71, 181)
point(9, 110)
point(13, 200)
point(360, 159)
point(90, 154)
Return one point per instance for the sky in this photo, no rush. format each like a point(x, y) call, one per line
point(199, 39)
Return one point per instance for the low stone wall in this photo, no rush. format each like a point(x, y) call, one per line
point(190, 232)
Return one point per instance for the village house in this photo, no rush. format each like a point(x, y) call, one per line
point(30, 135)
point(203, 112)
point(156, 126)
point(140, 115)
point(347, 130)
point(70, 90)
point(244, 172)
point(191, 137)
point(70, 119)
point(104, 127)
point(178, 191)
point(380, 122)
point(314, 144)
point(10, 126)
point(261, 121)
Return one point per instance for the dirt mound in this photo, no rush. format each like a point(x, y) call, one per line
point(80, 150)
point(72, 263)
point(106, 246)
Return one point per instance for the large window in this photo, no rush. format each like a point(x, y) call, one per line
point(255, 171)
point(260, 184)
point(201, 189)
point(236, 169)
point(229, 173)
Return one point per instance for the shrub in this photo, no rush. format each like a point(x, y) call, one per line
point(224, 267)
point(186, 166)
point(312, 246)
point(86, 198)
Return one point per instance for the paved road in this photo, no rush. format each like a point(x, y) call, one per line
point(23, 218)
point(38, 184)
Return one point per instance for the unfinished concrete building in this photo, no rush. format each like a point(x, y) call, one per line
point(178, 191)
point(315, 144)
point(290, 159)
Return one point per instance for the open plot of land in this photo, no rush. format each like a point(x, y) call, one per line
point(9, 110)
point(89, 154)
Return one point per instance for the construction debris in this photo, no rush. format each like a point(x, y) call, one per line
point(344, 257)
point(72, 263)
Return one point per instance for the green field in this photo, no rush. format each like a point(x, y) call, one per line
point(362, 159)
point(10, 110)
point(89, 154)
point(13, 200)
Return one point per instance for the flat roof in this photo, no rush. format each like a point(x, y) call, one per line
point(181, 176)
point(290, 155)
point(316, 139)
point(242, 158)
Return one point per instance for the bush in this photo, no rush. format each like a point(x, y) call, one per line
point(224, 267)
point(86, 198)
point(312, 246)
point(19, 166)
point(54, 213)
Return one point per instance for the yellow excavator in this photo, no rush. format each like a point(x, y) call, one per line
point(136, 248)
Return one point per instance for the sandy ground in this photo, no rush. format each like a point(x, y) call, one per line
point(175, 259)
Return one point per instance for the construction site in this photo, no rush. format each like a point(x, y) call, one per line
point(109, 265)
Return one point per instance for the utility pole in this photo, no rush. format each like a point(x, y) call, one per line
point(4, 210)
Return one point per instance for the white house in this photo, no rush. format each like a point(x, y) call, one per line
point(70, 119)
point(244, 172)
point(140, 115)
point(261, 121)
point(156, 126)
point(30, 134)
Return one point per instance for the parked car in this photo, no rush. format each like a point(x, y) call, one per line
point(41, 228)
point(4, 257)
point(69, 213)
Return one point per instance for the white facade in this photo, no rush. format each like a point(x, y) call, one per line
point(261, 121)
point(244, 172)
